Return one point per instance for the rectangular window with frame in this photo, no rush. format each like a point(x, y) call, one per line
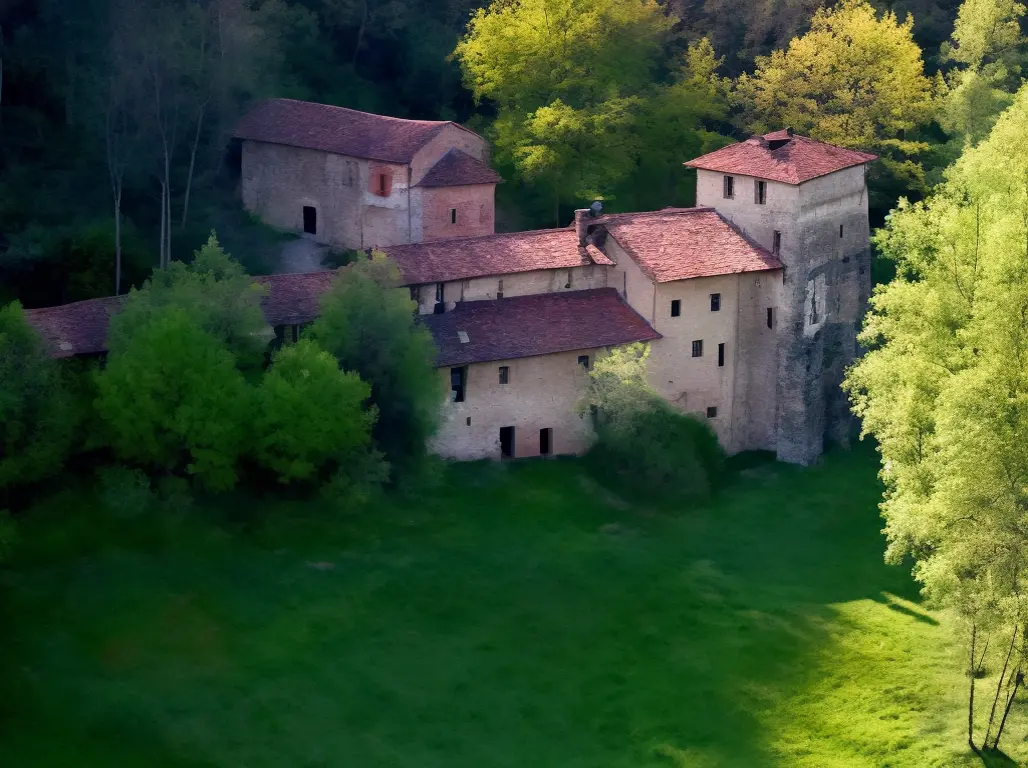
point(583, 360)
point(759, 192)
point(721, 355)
point(729, 188)
point(504, 374)
point(697, 348)
point(458, 383)
point(715, 302)
point(453, 215)
point(711, 411)
point(776, 243)
point(676, 307)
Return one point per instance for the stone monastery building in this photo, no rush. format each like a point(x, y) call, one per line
point(751, 300)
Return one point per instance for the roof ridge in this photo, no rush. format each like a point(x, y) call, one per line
point(469, 238)
point(527, 296)
point(362, 112)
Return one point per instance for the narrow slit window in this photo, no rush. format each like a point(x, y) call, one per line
point(697, 348)
point(729, 190)
point(721, 355)
point(770, 317)
point(499, 290)
point(504, 374)
point(840, 230)
point(440, 305)
point(458, 381)
point(310, 220)
point(711, 411)
point(715, 302)
point(676, 307)
point(760, 192)
point(776, 243)
point(583, 360)
point(545, 441)
point(453, 215)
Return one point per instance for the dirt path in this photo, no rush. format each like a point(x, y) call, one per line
point(301, 255)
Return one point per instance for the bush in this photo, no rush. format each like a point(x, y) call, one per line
point(171, 398)
point(370, 327)
point(311, 417)
point(641, 439)
point(37, 417)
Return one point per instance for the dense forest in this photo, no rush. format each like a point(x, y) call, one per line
point(117, 114)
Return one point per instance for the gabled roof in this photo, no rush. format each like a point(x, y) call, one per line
point(542, 324)
point(781, 156)
point(461, 258)
point(456, 169)
point(338, 130)
point(682, 243)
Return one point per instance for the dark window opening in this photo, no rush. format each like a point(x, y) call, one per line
point(840, 230)
point(729, 191)
point(458, 380)
point(415, 294)
point(721, 355)
point(507, 442)
point(504, 374)
point(770, 317)
point(715, 302)
point(310, 220)
point(583, 360)
point(568, 283)
point(453, 215)
point(776, 243)
point(697, 348)
point(712, 412)
point(469, 421)
point(759, 192)
point(499, 290)
point(440, 305)
point(383, 185)
point(545, 442)
point(676, 307)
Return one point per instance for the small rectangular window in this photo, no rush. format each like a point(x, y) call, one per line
point(504, 374)
point(310, 220)
point(415, 294)
point(729, 191)
point(453, 215)
point(676, 307)
point(840, 230)
point(776, 243)
point(770, 317)
point(458, 380)
point(711, 411)
point(721, 355)
point(715, 302)
point(583, 360)
point(697, 348)
point(499, 290)
point(759, 192)
point(545, 442)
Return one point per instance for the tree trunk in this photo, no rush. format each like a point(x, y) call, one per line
point(192, 166)
point(999, 687)
point(1, 66)
point(1018, 680)
point(972, 673)
point(164, 220)
point(360, 33)
point(117, 240)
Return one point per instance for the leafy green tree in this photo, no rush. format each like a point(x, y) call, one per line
point(215, 292)
point(311, 417)
point(641, 439)
point(170, 397)
point(988, 48)
point(856, 79)
point(370, 327)
point(37, 417)
point(944, 390)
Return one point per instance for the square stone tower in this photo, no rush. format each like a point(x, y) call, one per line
point(806, 202)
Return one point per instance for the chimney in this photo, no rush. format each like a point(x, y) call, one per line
point(790, 132)
point(582, 216)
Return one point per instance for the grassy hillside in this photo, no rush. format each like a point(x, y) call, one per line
point(518, 615)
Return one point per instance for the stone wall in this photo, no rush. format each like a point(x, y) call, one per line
point(433, 211)
point(542, 392)
point(451, 137)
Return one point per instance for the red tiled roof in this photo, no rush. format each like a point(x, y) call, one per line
point(75, 329)
point(293, 299)
point(682, 243)
point(456, 169)
point(780, 157)
point(338, 130)
point(461, 258)
point(542, 324)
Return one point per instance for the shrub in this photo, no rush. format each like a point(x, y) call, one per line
point(370, 327)
point(311, 417)
point(644, 441)
point(37, 418)
point(171, 398)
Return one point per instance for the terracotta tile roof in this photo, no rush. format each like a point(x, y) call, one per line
point(780, 157)
point(461, 258)
point(75, 329)
point(524, 326)
point(682, 243)
point(338, 130)
point(293, 299)
point(456, 169)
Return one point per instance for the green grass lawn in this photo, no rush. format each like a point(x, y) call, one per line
point(518, 615)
